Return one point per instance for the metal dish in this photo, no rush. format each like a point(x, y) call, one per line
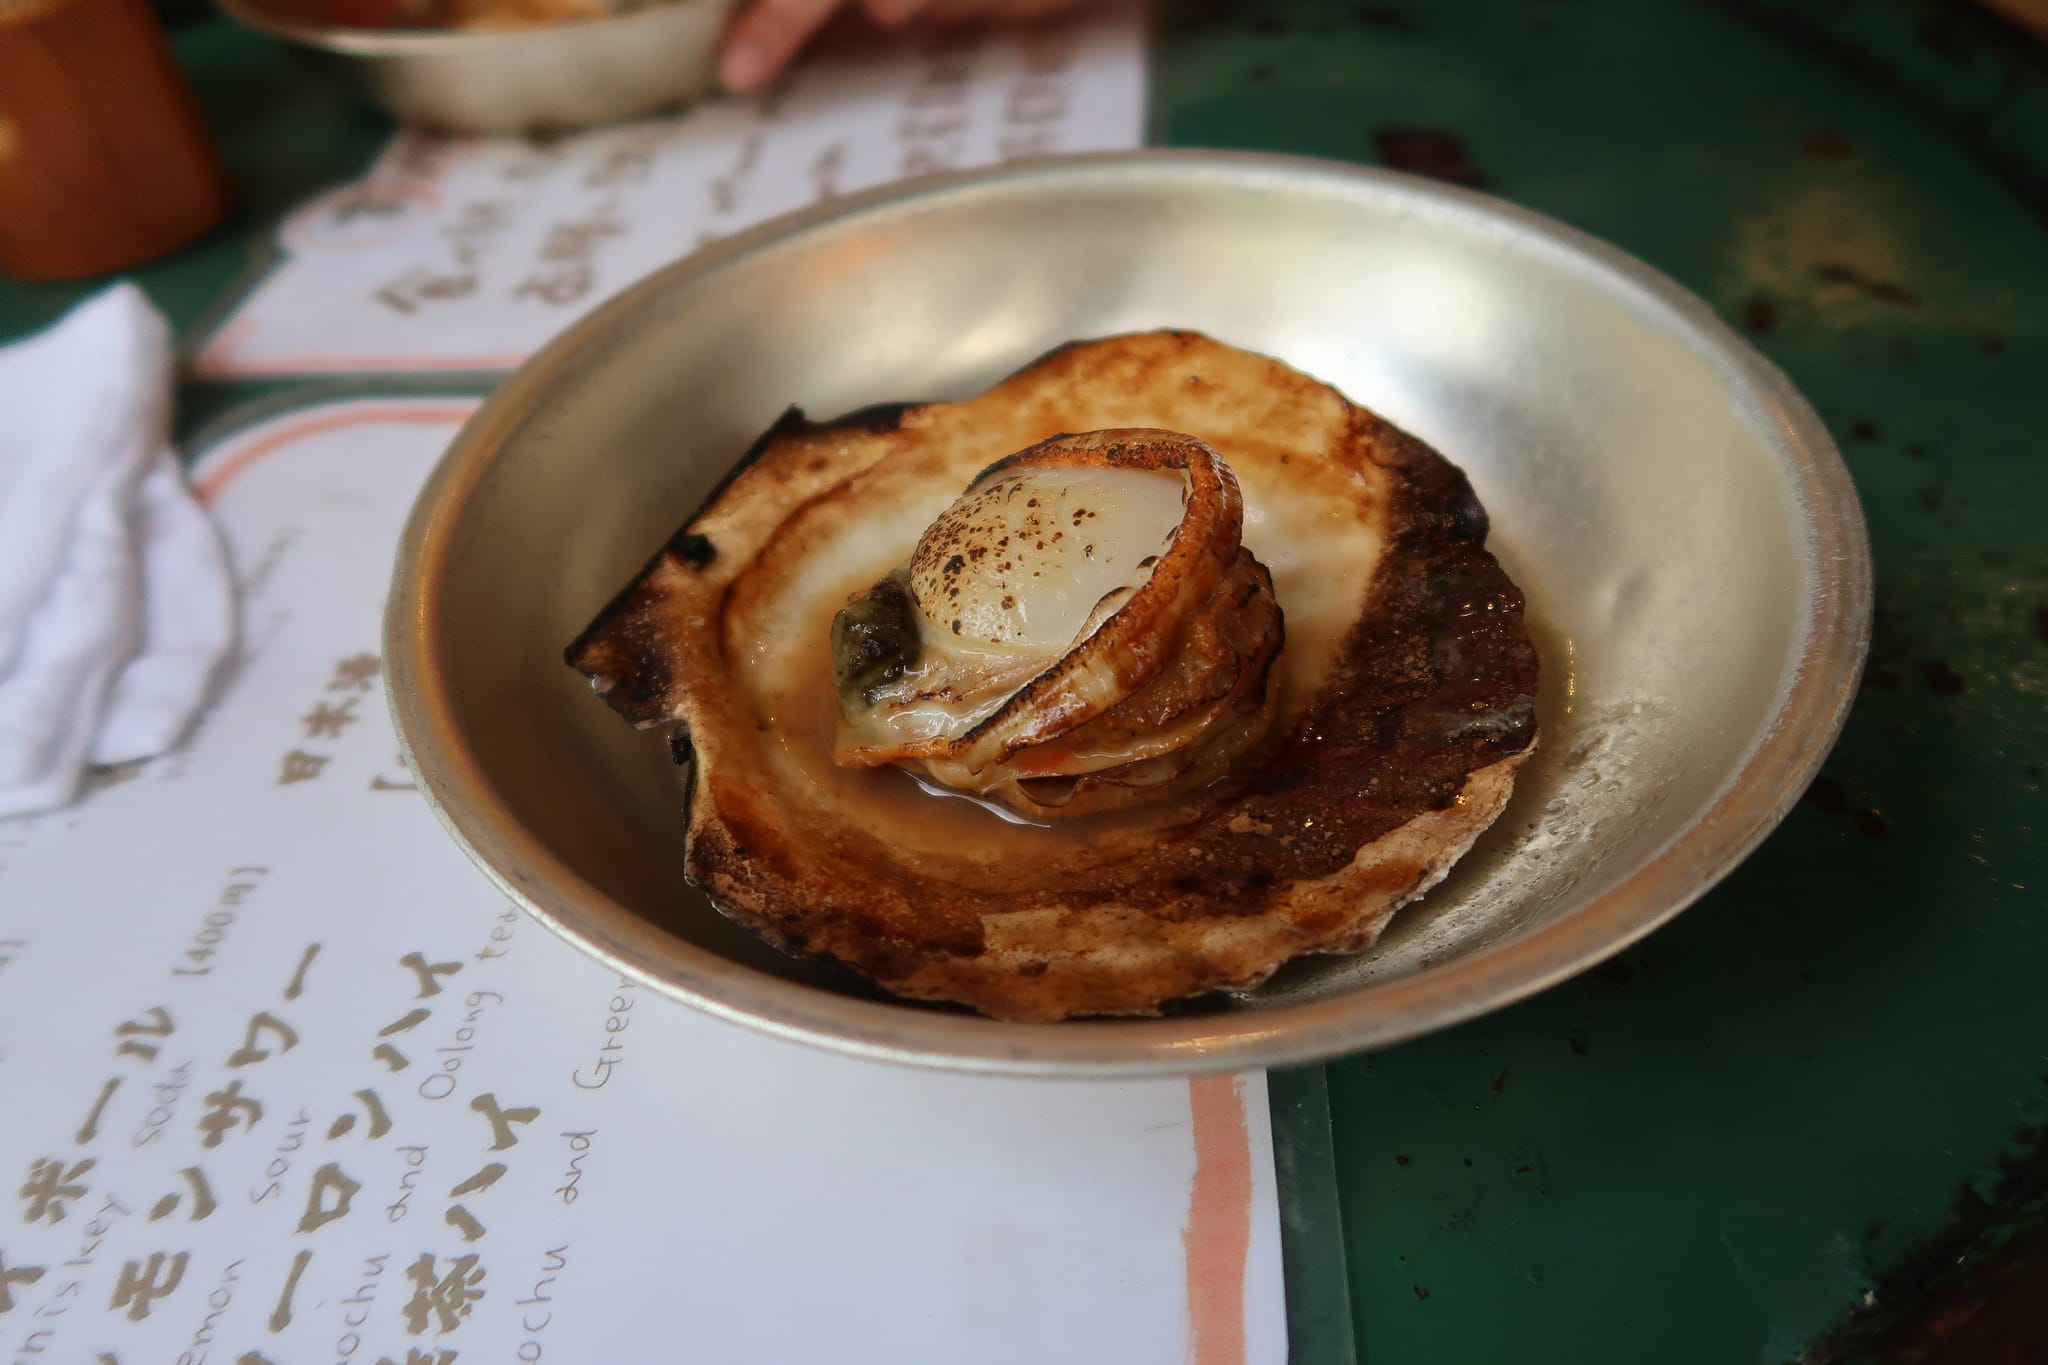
point(1690, 543)
point(547, 78)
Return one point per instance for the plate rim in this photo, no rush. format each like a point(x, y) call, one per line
point(1780, 763)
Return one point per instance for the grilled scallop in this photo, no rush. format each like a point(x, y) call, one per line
point(1081, 631)
point(1151, 668)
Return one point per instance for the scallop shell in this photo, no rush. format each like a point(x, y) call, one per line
point(1405, 704)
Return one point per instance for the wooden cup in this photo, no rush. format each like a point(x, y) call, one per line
point(104, 161)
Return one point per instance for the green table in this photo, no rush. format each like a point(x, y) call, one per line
point(1762, 1134)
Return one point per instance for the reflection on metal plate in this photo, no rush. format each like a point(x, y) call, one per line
point(1690, 545)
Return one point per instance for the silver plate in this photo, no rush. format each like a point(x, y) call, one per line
point(1689, 541)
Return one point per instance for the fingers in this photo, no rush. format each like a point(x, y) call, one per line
point(890, 13)
point(970, 11)
point(992, 11)
point(767, 34)
point(951, 11)
point(1031, 9)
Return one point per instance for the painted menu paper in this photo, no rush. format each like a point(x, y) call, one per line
point(284, 1079)
point(468, 254)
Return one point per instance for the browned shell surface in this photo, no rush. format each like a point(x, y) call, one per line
point(1409, 699)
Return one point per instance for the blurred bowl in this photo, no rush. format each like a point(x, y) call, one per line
point(1692, 550)
point(542, 79)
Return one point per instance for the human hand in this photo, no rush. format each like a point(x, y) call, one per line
point(769, 33)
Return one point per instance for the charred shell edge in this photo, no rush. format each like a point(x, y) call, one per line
point(622, 641)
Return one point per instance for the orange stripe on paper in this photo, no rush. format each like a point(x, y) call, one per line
point(215, 477)
point(1218, 1237)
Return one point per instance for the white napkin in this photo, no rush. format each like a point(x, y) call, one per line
point(116, 608)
